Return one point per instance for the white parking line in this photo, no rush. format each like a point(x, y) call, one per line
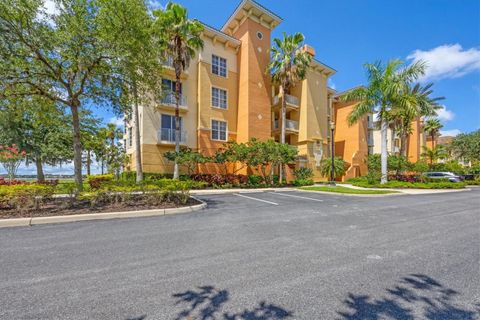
point(290, 195)
point(243, 196)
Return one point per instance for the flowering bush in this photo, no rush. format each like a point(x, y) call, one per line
point(13, 182)
point(221, 179)
point(10, 158)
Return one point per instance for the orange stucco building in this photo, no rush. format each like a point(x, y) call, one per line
point(226, 94)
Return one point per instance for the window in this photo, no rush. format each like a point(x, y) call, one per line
point(167, 131)
point(130, 137)
point(259, 35)
point(219, 130)
point(169, 85)
point(219, 66)
point(219, 98)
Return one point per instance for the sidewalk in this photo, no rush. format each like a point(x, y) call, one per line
point(237, 190)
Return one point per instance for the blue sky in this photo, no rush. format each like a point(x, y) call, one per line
point(348, 33)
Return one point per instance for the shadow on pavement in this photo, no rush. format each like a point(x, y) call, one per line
point(207, 302)
point(416, 291)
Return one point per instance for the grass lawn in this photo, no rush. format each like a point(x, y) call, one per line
point(345, 190)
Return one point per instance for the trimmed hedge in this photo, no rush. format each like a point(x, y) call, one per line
point(411, 185)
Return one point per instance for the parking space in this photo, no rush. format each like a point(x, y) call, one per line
point(250, 199)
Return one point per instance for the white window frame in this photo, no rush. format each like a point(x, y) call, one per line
point(219, 67)
point(218, 129)
point(130, 137)
point(219, 100)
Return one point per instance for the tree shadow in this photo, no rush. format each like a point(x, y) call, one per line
point(207, 303)
point(414, 292)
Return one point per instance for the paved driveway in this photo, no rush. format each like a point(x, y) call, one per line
point(255, 256)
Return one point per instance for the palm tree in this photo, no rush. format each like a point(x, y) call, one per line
point(288, 65)
point(385, 85)
point(183, 40)
point(432, 127)
point(414, 103)
point(434, 154)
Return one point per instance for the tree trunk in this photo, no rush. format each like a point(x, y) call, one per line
point(281, 175)
point(384, 155)
point(39, 165)
point(77, 144)
point(138, 151)
point(176, 173)
point(403, 144)
point(89, 162)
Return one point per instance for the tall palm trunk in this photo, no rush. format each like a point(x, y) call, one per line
point(384, 155)
point(138, 151)
point(77, 144)
point(176, 173)
point(281, 173)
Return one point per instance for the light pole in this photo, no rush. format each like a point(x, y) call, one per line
point(332, 140)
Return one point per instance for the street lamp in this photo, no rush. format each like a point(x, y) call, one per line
point(332, 140)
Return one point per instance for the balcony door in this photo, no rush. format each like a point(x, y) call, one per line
point(167, 132)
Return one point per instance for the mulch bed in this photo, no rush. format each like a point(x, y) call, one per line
point(60, 207)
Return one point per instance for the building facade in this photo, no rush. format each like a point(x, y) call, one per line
point(226, 94)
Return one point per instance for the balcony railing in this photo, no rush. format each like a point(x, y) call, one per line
point(291, 100)
point(169, 99)
point(291, 125)
point(168, 136)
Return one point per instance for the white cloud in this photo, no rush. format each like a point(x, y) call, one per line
point(116, 121)
point(447, 61)
point(331, 84)
point(445, 115)
point(452, 133)
point(155, 4)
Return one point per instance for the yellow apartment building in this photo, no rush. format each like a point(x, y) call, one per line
point(226, 94)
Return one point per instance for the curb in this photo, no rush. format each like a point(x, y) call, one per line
point(25, 222)
point(209, 192)
point(357, 195)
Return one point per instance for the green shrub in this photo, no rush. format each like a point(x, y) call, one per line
point(413, 185)
point(25, 197)
point(254, 180)
point(303, 173)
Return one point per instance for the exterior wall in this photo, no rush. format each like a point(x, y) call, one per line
point(254, 101)
point(350, 141)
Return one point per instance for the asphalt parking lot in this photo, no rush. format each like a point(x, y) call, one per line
point(254, 256)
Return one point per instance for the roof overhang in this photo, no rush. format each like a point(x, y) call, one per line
point(219, 36)
point(322, 68)
point(255, 11)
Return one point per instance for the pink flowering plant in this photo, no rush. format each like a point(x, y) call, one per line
point(10, 158)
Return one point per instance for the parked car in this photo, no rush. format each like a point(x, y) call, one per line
point(452, 177)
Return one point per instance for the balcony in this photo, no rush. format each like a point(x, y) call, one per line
point(167, 136)
point(169, 100)
point(168, 67)
point(290, 126)
point(292, 101)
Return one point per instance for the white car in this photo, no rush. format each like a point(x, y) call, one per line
point(452, 177)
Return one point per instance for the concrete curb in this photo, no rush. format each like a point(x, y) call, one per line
point(357, 195)
point(238, 190)
point(25, 222)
